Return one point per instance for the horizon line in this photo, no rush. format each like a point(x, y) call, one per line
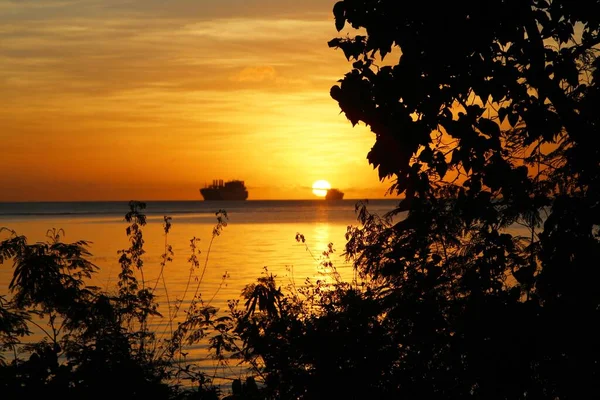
point(193, 200)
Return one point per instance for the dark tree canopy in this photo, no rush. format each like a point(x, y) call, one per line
point(487, 120)
point(477, 71)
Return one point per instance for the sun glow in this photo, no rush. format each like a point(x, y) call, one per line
point(320, 188)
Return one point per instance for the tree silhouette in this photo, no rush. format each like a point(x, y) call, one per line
point(485, 120)
point(480, 284)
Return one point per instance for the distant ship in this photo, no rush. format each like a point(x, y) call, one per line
point(334, 194)
point(230, 190)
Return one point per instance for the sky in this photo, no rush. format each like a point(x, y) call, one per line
point(151, 100)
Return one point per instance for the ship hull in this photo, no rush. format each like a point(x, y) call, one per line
point(209, 194)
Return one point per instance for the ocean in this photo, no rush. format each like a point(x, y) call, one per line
point(259, 238)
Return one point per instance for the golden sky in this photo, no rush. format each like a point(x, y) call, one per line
point(151, 99)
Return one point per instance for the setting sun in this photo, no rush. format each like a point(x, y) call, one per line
point(321, 187)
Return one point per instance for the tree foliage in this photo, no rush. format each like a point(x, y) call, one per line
point(93, 343)
point(485, 121)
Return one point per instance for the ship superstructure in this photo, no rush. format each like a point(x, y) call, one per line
point(334, 194)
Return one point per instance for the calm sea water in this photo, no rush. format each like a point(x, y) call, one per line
point(259, 234)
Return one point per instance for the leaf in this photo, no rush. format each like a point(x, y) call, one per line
point(456, 156)
point(475, 110)
point(339, 13)
point(483, 94)
point(334, 42)
point(571, 73)
point(335, 92)
point(441, 168)
point(513, 118)
point(502, 111)
point(426, 155)
point(387, 155)
point(489, 127)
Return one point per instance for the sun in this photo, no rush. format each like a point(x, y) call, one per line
point(320, 188)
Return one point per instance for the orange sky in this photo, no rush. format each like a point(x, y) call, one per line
point(151, 99)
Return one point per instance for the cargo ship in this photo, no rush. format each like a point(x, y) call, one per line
point(220, 190)
point(334, 194)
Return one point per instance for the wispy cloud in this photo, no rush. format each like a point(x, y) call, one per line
point(132, 53)
point(205, 83)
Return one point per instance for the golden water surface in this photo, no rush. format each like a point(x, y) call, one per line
point(251, 242)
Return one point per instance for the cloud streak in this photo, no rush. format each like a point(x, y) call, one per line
point(242, 84)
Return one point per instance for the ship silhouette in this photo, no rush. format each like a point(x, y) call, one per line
point(220, 190)
point(334, 194)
